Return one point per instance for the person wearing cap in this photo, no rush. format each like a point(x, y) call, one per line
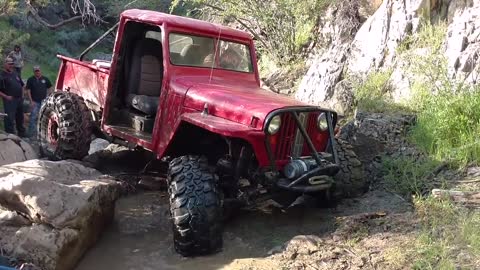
point(38, 87)
point(11, 91)
point(17, 57)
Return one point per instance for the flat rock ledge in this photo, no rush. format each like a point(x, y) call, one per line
point(13, 149)
point(51, 213)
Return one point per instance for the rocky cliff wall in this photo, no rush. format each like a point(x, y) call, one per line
point(359, 47)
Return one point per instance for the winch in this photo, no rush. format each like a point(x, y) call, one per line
point(298, 167)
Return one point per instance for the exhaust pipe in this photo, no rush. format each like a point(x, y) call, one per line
point(3, 114)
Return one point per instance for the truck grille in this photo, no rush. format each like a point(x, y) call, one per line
point(290, 140)
point(286, 137)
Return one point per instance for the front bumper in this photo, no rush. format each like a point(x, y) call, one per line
point(303, 184)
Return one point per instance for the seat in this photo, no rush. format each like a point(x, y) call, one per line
point(145, 76)
point(192, 55)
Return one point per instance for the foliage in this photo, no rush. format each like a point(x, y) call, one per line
point(448, 121)
point(372, 94)
point(448, 115)
point(7, 6)
point(408, 176)
point(114, 8)
point(447, 231)
point(10, 36)
point(449, 124)
point(281, 27)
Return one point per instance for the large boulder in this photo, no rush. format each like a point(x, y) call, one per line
point(376, 42)
point(53, 211)
point(372, 47)
point(326, 67)
point(354, 54)
point(13, 149)
point(463, 44)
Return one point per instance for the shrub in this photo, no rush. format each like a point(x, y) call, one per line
point(448, 126)
point(448, 115)
point(447, 231)
point(372, 95)
point(281, 27)
point(9, 37)
point(408, 176)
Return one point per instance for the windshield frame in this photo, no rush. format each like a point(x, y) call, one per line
point(216, 41)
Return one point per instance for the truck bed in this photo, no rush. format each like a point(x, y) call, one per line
point(85, 79)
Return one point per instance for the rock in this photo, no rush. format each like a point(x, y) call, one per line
point(400, 84)
point(275, 250)
point(98, 158)
point(376, 41)
point(28, 151)
point(456, 7)
point(68, 206)
point(9, 218)
point(326, 69)
point(283, 81)
point(343, 99)
point(13, 149)
point(373, 48)
point(303, 245)
point(11, 152)
point(152, 183)
point(29, 266)
point(98, 145)
point(473, 171)
point(463, 43)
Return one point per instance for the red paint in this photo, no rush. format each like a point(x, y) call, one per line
point(84, 79)
point(237, 106)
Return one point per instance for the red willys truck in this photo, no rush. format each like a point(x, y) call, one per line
point(189, 92)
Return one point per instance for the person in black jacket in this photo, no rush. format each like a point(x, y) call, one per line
point(38, 87)
point(11, 91)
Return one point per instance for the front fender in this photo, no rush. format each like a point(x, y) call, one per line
point(229, 129)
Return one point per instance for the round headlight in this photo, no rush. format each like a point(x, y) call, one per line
point(274, 125)
point(322, 123)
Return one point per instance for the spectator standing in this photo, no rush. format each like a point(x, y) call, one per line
point(38, 87)
point(17, 57)
point(11, 91)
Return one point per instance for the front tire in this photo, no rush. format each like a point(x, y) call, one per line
point(350, 180)
point(195, 207)
point(64, 127)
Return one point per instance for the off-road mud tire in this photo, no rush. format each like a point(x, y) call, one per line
point(74, 130)
point(350, 181)
point(195, 207)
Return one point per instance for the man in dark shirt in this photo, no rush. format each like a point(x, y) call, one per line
point(11, 91)
point(38, 87)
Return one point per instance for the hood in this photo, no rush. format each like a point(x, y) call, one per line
point(240, 104)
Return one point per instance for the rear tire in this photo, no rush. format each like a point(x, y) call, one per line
point(350, 180)
point(195, 207)
point(64, 127)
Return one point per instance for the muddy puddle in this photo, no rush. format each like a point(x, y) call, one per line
point(140, 236)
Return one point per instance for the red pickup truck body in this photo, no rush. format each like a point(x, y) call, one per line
point(237, 106)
